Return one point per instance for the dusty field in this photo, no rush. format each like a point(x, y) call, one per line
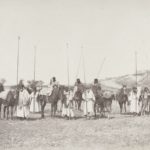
point(120, 132)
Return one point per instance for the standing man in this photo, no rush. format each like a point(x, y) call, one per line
point(23, 107)
point(89, 100)
point(134, 101)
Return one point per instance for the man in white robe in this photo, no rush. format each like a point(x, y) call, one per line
point(134, 100)
point(23, 107)
point(89, 99)
point(35, 105)
point(68, 108)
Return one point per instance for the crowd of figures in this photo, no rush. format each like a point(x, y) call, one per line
point(91, 100)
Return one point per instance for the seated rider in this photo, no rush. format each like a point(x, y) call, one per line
point(96, 88)
point(53, 84)
point(78, 87)
point(123, 90)
point(2, 85)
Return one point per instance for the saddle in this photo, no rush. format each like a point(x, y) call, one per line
point(3, 94)
point(107, 94)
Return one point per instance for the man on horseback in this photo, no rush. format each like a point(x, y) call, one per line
point(2, 85)
point(96, 88)
point(53, 84)
point(78, 91)
point(123, 90)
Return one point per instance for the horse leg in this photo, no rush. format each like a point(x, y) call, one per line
point(12, 112)
point(95, 109)
point(142, 109)
point(125, 107)
point(4, 110)
point(120, 104)
point(0, 109)
point(55, 109)
point(43, 104)
point(7, 112)
point(51, 109)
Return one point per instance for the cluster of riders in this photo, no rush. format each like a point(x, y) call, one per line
point(91, 100)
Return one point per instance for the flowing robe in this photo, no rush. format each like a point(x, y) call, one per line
point(68, 109)
point(35, 105)
point(88, 106)
point(23, 107)
point(134, 102)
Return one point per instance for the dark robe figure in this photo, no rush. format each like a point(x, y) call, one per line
point(78, 91)
point(1, 87)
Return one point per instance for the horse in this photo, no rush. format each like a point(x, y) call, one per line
point(57, 94)
point(122, 100)
point(43, 100)
point(103, 103)
point(9, 102)
point(78, 99)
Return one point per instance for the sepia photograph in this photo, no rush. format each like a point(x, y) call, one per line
point(74, 74)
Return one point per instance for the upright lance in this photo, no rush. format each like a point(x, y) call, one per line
point(67, 45)
point(101, 67)
point(136, 69)
point(18, 58)
point(84, 75)
point(68, 74)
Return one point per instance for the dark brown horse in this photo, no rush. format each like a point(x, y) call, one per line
point(103, 104)
point(78, 99)
point(122, 100)
point(57, 94)
point(9, 102)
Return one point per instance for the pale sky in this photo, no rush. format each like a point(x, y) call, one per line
point(114, 29)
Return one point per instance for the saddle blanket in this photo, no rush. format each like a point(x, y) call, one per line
point(3, 95)
point(107, 94)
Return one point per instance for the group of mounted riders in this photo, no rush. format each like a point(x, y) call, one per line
point(89, 99)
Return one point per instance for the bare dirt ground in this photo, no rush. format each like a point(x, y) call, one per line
point(122, 132)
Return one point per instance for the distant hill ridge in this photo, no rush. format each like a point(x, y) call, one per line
point(143, 78)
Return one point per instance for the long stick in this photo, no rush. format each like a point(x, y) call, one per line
point(18, 58)
point(35, 49)
point(67, 45)
point(79, 65)
point(136, 68)
point(101, 67)
point(83, 65)
point(84, 76)
point(136, 78)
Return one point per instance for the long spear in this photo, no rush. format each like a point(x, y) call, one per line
point(101, 67)
point(79, 65)
point(136, 77)
point(84, 75)
point(136, 68)
point(67, 45)
point(35, 50)
point(18, 59)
